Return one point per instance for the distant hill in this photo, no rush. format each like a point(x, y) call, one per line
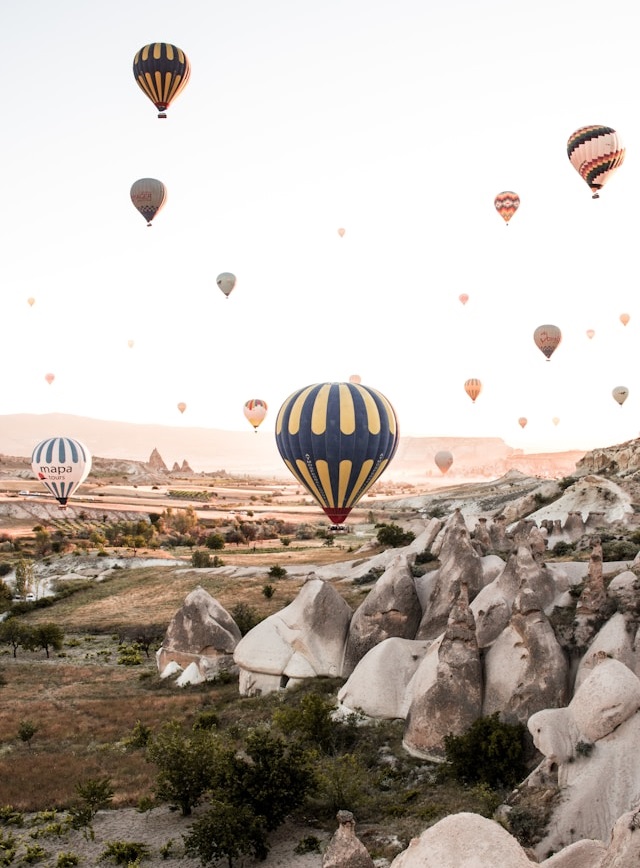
point(255, 454)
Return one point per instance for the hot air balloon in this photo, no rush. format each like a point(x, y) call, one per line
point(464, 298)
point(522, 421)
point(148, 195)
point(590, 333)
point(337, 439)
point(547, 338)
point(443, 460)
point(355, 378)
point(624, 318)
point(620, 393)
point(161, 70)
point(182, 406)
point(473, 388)
point(255, 410)
point(62, 464)
point(341, 232)
point(226, 281)
point(555, 420)
point(507, 203)
point(49, 378)
point(31, 301)
point(595, 153)
point(130, 344)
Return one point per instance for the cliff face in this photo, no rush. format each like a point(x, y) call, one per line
point(623, 458)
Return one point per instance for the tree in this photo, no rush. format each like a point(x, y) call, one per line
point(214, 541)
point(392, 535)
point(490, 752)
point(45, 636)
point(186, 764)
point(226, 831)
point(24, 577)
point(26, 731)
point(13, 633)
point(200, 559)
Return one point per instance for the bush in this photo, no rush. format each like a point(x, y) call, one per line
point(619, 550)
point(277, 572)
point(124, 852)
point(200, 559)
point(392, 536)
point(268, 591)
point(226, 831)
point(214, 541)
point(490, 752)
point(245, 617)
point(562, 548)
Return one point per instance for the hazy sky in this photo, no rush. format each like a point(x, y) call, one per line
point(399, 121)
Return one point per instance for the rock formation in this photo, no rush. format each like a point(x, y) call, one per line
point(156, 463)
point(345, 850)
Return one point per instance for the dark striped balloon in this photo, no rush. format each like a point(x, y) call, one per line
point(162, 71)
point(595, 153)
point(61, 464)
point(337, 439)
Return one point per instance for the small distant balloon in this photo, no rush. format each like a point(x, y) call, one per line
point(620, 393)
point(341, 232)
point(255, 410)
point(182, 406)
point(547, 338)
point(226, 281)
point(61, 464)
point(555, 420)
point(624, 318)
point(49, 378)
point(443, 460)
point(31, 301)
point(595, 153)
point(130, 344)
point(590, 333)
point(473, 388)
point(522, 422)
point(507, 203)
point(355, 378)
point(161, 71)
point(148, 196)
point(463, 298)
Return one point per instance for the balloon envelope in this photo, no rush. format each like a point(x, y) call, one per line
point(255, 410)
point(624, 318)
point(555, 420)
point(473, 388)
point(148, 195)
point(31, 302)
point(130, 344)
point(620, 393)
point(337, 439)
point(49, 378)
point(341, 232)
point(547, 338)
point(522, 421)
point(464, 298)
point(182, 406)
point(590, 333)
point(595, 153)
point(61, 464)
point(355, 378)
point(226, 281)
point(162, 71)
point(507, 203)
point(443, 460)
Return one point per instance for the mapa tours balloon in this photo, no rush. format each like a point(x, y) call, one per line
point(255, 410)
point(355, 378)
point(463, 298)
point(161, 70)
point(507, 203)
point(226, 281)
point(620, 393)
point(49, 378)
point(590, 333)
point(61, 464)
point(595, 153)
point(182, 406)
point(337, 439)
point(341, 232)
point(148, 195)
point(547, 338)
point(473, 388)
point(443, 460)
point(522, 422)
point(624, 318)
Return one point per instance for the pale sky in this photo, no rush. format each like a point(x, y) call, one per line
point(399, 121)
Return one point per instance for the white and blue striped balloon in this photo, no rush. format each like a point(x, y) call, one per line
point(61, 464)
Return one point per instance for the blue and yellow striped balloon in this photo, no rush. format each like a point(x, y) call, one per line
point(337, 439)
point(61, 464)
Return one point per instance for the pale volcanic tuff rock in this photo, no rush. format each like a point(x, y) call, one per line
point(156, 463)
point(392, 608)
point(201, 633)
point(345, 849)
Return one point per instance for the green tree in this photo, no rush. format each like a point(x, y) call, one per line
point(215, 541)
point(392, 535)
point(186, 763)
point(13, 633)
point(226, 831)
point(46, 636)
point(26, 731)
point(490, 752)
point(92, 795)
point(200, 559)
point(5, 596)
point(24, 577)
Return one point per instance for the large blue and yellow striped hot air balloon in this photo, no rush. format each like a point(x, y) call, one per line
point(595, 153)
point(161, 70)
point(337, 439)
point(61, 464)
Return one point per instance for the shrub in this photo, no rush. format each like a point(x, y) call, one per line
point(562, 548)
point(490, 752)
point(200, 559)
point(226, 831)
point(130, 655)
point(245, 617)
point(277, 572)
point(26, 731)
point(214, 541)
point(124, 852)
point(619, 550)
point(392, 535)
point(268, 591)
point(67, 860)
